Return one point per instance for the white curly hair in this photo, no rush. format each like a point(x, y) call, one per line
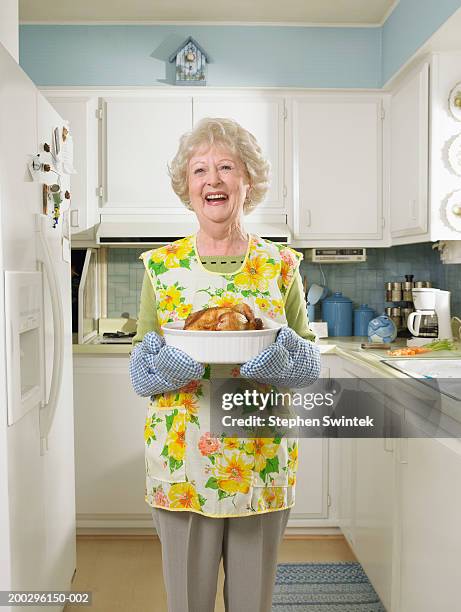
point(227, 133)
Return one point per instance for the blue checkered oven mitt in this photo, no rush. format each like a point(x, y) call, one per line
point(290, 362)
point(158, 368)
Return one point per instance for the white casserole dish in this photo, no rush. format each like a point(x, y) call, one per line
point(221, 346)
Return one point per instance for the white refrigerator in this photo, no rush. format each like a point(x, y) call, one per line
point(37, 475)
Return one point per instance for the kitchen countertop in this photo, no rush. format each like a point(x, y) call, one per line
point(348, 347)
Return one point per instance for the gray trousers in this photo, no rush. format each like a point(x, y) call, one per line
point(192, 547)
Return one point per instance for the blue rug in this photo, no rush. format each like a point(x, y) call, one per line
point(324, 587)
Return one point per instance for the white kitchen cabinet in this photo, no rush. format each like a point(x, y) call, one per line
point(335, 161)
point(109, 450)
point(445, 183)
point(409, 155)
point(374, 511)
point(430, 510)
point(368, 490)
point(263, 116)
point(139, 137)
point(312, 482)
point(81, 113)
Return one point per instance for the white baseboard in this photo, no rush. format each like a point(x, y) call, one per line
point(142, 525)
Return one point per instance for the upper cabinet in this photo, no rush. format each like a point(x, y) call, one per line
point(409, 151)
point(445, 147)
point(263, 116)
point(335, 163)
point(139, 136)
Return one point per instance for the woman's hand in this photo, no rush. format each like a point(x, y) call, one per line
point(158, 368)
point(288, 362)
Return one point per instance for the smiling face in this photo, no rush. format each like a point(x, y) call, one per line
point(218, 184)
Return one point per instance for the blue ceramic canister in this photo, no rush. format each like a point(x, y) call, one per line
point(362, 316)
point(337, 312)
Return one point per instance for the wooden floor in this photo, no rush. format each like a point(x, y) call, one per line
point(125, 574)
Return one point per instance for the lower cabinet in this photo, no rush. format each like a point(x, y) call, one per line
point(430, 530)
point(109, 453)
point(109, 424)
point(374, 512)
point(400, 503)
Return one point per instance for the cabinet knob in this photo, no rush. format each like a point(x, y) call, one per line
point(457, 210)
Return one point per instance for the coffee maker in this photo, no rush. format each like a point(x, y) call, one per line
point(431, 319)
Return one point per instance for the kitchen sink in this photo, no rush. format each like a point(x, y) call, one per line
point(427, 368)
point(442, 374)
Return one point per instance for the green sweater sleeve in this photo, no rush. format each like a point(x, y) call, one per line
point(295, 310)
point(147, 318)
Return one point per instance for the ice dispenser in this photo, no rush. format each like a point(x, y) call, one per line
point(24, 342)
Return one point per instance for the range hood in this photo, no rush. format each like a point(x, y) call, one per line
point(138, 234)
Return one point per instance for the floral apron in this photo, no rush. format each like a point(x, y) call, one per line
point(187, 466)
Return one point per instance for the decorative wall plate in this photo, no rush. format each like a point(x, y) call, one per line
point(454, 102)
point(452, 210)
point(454, 155)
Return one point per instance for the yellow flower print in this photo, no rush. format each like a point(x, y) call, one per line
point(189, 402)
point(293, 458)
point(225, 300)
point(286, 273)
point(166, 401)
point(273, 497)
point(172, 254)
point(148, 430)
point(176, 438)
point(184, 310)
point(256, 273)
point(277, 306)
point(263, 303)
point(184, 495)
point(231, 443)
point(234, 473)
point(262, 449)
point(163, 316)
point(169, 298)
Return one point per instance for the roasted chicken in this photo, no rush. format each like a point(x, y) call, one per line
point(224, 318)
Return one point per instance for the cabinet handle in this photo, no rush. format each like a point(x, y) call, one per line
point(308, 218)
point(403, 451)
point(413, 210)
point(74, 218)
point(388, 445)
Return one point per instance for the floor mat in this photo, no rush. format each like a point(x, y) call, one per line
point(324, 587)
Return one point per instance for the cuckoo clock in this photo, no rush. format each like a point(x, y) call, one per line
point(191, 62)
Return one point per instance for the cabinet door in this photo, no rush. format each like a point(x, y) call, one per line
point(312, 475)
point(337, 167)
point(109, 447)
point(81, 113)
point(409, 148)
point(264, 118)
point(374, 512)
point(139, 138)
point(430, 531)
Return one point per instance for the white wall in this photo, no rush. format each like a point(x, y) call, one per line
point(9, 23)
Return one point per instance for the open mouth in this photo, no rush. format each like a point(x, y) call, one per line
point(215, 199)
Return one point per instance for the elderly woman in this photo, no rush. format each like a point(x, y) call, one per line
point(216, 497)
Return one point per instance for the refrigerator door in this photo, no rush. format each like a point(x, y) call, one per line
point(22, 501)
point(37, 499)
point(57, 418)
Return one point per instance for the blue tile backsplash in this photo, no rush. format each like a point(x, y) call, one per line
point(363, 282)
